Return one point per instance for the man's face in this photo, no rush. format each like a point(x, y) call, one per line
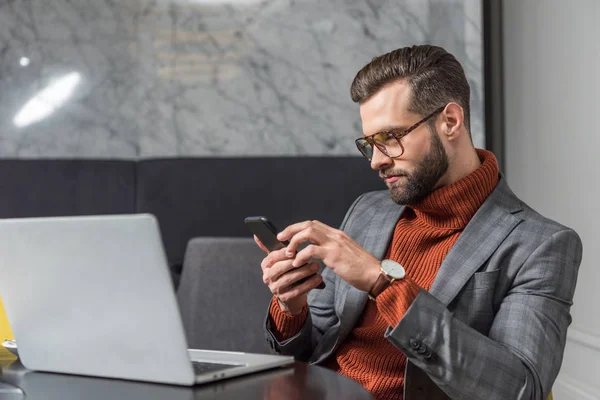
point(418, 171)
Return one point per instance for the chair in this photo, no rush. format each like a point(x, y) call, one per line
point(221, 295)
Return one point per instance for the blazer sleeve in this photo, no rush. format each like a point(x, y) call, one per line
point(521, 356)
point(320, 318)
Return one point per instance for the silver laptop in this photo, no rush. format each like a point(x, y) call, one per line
point(93, 296)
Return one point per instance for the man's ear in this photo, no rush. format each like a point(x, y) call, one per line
point(452, 121)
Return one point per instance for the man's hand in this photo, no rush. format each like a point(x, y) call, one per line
point(280, 275)
point(335, 248)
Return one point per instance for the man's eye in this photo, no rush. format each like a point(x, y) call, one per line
point(385, 137)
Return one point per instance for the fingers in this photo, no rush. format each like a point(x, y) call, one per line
point(291, 291)
point(307, 231)
point(274, 257)
point(262, 246)
point(305, 255)
point(280, 268)
point(278, 282)
point(291, 230)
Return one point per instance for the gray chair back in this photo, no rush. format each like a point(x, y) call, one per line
point(222, 297)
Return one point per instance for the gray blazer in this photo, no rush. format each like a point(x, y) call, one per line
point(494, 324)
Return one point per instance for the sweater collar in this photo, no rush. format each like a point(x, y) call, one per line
point(453, 206)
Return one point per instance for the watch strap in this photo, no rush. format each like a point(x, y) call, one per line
point(383, 282)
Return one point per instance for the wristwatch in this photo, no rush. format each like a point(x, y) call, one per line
point(390, 271)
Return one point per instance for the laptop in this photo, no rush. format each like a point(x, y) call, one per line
point(92, 295)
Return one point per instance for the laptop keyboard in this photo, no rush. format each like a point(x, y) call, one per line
point(201, 367)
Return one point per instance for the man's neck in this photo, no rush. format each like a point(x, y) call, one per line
point(464, 164)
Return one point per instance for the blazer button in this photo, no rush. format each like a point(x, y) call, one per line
point(414, 343)
point(422, 349)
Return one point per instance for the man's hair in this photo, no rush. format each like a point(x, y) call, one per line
point(434, 75)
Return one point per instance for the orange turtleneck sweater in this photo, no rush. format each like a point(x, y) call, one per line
point(423, 236)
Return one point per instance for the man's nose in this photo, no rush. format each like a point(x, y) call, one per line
point(379, 160)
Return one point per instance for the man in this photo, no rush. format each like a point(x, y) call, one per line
point(448, 287)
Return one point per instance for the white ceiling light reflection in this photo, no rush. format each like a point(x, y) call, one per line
point(48, 100)
point(24, 61)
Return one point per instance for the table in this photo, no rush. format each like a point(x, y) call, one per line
point(299, 381)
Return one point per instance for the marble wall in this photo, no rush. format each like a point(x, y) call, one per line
point(154, 78)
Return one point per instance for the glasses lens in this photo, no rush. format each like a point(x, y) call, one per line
point(388, 144)
point(365, 148)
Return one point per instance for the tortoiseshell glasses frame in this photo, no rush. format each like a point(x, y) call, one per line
point(390, 142)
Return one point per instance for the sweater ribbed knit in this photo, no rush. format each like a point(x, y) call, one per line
point(422, 237)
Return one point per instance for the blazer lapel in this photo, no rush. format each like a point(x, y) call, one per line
point(380, 230)
point(485, 232)
point(378, 235)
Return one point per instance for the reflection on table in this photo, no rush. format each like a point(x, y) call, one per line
point(298, 381)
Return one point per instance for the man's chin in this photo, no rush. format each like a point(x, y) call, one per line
point(397, 194)
point(401, 193)
point(400, 200)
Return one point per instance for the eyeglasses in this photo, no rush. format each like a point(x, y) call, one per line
point(389, 143)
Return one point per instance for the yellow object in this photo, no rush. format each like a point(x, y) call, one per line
point(5, 332)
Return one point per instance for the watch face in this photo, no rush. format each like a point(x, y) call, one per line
point(393, 269)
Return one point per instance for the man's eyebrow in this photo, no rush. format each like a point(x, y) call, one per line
point(391, 128)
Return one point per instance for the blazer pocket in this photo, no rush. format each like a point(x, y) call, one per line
point(482, 280)
point(474, 304)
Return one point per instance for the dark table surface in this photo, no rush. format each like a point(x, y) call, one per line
point(298, 381)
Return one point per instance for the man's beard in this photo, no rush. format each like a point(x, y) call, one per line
point(415, 186)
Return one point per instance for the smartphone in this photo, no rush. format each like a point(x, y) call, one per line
point(266, 232)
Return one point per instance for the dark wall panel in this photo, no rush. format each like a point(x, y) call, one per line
point(32, 188)
point(211, 197)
